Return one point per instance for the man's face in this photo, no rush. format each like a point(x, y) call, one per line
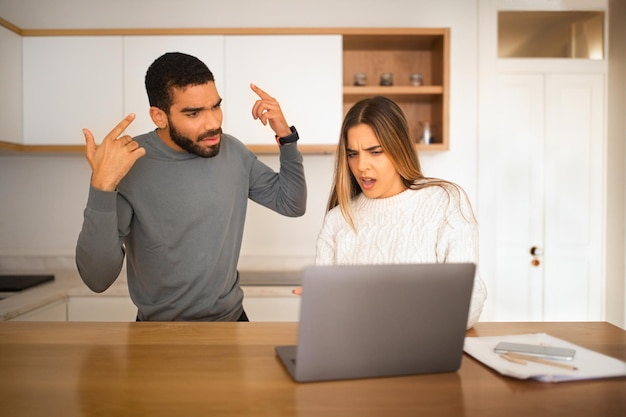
point(195, 120)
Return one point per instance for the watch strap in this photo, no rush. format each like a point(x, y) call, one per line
point(291, 138)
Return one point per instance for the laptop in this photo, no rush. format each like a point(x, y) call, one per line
point(365, 321)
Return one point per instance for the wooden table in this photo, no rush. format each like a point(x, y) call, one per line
point(230, 369)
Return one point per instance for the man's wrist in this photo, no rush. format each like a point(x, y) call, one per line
point(103, 185)
point(290, 138)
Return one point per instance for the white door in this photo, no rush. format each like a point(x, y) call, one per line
point(545, 187)
point(574, 181)
point(518, 182)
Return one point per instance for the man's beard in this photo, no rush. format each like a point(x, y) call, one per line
point(192, 146)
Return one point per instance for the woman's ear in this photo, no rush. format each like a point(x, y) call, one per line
point(158, 117)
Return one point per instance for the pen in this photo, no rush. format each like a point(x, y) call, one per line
point(521, 359)
point(510, 359)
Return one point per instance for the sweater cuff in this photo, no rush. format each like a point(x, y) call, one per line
point(289, 151)
point(99, 200)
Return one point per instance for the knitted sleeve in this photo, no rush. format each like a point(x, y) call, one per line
point(458, 242)
point(99, 251)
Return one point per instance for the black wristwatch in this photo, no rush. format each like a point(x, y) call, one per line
point(291, 138)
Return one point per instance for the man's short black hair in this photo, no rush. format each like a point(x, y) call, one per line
point(174, 69)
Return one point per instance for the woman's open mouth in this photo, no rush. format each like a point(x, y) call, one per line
point(367, 183)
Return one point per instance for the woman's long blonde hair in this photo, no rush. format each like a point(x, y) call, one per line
point(390, 126)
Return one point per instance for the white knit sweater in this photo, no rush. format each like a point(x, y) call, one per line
point(430, 225)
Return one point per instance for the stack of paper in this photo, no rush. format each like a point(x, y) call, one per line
point(589, 364)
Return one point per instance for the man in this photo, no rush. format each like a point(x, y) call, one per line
point(173, 201)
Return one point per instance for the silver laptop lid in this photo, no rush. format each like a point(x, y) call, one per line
point(382, 320)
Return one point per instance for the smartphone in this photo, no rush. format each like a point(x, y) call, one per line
point(548, 352)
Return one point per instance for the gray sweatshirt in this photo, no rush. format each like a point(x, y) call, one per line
point(179, 220)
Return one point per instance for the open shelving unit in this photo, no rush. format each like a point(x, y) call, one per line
point(402, 52)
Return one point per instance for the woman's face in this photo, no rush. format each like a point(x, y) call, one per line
point(373, 169)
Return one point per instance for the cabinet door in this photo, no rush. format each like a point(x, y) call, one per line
point(547, 197)
point(141, 51)
point(71, 83)
point(56, 311)
point(101, 308)
point(272, 308)
point(11, 87)
point(303, 72)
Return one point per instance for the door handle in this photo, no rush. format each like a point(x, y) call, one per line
point(535, 252)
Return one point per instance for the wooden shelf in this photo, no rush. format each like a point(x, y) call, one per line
point(427, 90)
point(402, 52)
point(7, 148)
point(16, 148)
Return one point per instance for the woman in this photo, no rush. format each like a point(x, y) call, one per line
point(383, 210)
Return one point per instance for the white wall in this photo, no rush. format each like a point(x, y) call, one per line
point(616, 163)
point(42, 196)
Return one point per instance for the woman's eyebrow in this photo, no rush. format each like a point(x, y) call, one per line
point(371, 148)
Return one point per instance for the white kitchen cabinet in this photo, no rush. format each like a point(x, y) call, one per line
point(271, 303)
point(10, 85)
point(55, 311)
point(141, 51)
point(71, 82)
point(303, 72)
point(93, 81)
point(100, 308)
point(300, 85)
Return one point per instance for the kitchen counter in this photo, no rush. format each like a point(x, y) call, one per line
point(25, 301)
point(67, 283)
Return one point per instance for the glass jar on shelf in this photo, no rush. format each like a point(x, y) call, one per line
point(386, 79)
point(416, 79)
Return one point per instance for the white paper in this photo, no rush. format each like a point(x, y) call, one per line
point(590, 364)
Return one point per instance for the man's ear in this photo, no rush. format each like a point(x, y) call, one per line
point(158, 117)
